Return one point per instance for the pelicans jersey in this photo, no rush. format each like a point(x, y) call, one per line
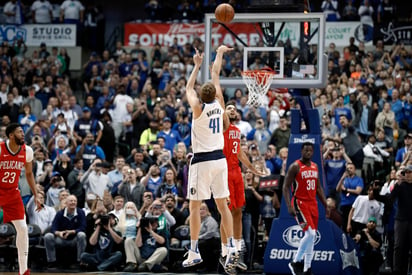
point(11, 165)
point(306, 182)
point(235, 180)
point(304, 195)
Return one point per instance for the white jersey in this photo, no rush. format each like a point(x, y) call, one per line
point(207, 129)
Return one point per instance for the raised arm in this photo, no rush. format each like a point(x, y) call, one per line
point(190, 86)
point(217, 65)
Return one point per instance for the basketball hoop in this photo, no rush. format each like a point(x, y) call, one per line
point(258, 83)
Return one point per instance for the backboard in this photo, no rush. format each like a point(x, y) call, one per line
point(291, 44)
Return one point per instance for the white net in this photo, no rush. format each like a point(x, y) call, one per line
point(258, 83)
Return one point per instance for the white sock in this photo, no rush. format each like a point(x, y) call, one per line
point(193, 245)
point(224, 250)
point(238, 244)
point(22, 243)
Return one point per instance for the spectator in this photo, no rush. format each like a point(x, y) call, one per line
point(150, 249)
point(43, 218)
point(68, 230)
point(89, 150)
point(95, 180)
point(330, 9)
point(10, 9)
point(370, 241)
point(349, 12)
point(332, 212)
point(335, 161)
point(86, 124)
point(116, 176)
point(379, 156)
point(209, 239)
point(350, 140)
point(130, 189)
point(350, 187)
point(104, 239)
point(57, 185)
point(170, 186)
point(280, 137)
point(147, 203)
point(73, 183)
point(118, 203)
point(71, 12)
point(35, 103)
point(364, 207)
point(260, 134)
point(10, 108)
point(403, 152)
point(42, 12)
point(107, 141)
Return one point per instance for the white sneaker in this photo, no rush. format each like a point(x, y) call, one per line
point(193, 258)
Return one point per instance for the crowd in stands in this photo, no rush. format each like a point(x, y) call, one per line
point(113, 171)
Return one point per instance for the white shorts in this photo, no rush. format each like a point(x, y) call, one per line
point(206, 178)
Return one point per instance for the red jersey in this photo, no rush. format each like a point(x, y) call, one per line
point(232, 143)
point(306, 182)
point(11, 166)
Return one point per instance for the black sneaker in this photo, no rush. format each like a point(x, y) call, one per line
point(296, 268)
point(222, 260)
point(130, 267)
point(52, 265)
point(308, 272)
point(241, 263)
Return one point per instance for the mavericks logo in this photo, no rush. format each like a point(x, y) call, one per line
point(293, 234)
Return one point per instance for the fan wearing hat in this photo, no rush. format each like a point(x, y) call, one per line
point(57, 185)
point(171, 137)
point(404, 154)
point(370, 242)
point(86, 124)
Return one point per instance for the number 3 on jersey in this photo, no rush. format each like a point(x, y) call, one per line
point(311, 184)
point(215, 125)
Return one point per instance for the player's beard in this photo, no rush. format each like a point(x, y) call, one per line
point(19, 141)
point(232, 119)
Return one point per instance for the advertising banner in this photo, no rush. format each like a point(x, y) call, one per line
point(149, 34)
point(35, 34)
point(400, 33)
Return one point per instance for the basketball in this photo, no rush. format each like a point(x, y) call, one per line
point(224, 13)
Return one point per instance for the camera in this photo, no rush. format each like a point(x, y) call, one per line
point(104, 220)
point(145, 221)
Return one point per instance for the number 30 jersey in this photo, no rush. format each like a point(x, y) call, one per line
point(232, 143)
point(207, 129)
point(12, 164)
point(306, 182)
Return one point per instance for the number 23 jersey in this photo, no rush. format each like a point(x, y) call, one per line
point(306, 182)
point(11, 165)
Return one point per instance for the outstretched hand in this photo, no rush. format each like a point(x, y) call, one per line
point(198, 58)
point(223, 49)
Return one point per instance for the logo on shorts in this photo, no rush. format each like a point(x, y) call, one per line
point(192, 191)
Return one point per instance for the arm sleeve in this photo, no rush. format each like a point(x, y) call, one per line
point(29, 154)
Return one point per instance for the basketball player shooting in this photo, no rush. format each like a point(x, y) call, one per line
point(208, 169)
point(14, 157)
point(303, 178)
